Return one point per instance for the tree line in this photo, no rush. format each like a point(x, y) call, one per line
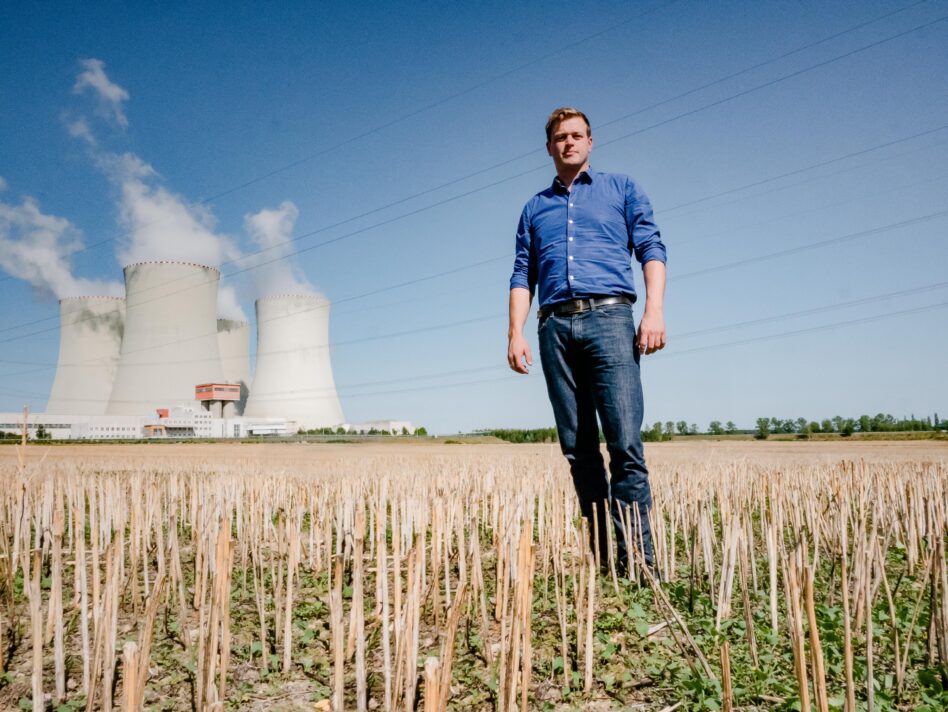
point(879, 423)
point(659, 431)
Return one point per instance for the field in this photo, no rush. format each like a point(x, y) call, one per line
point(795, 575)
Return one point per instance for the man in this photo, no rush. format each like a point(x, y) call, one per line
point(575, 243)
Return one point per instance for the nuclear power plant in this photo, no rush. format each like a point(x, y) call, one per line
point(160, 363)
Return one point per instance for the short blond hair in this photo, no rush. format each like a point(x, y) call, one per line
point(561, 114)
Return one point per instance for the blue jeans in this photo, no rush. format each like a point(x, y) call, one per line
point(591, 365)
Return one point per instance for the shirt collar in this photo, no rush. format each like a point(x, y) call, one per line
point(583, 177)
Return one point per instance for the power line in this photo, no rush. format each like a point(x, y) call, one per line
point(804, 169)
point(523, 173)
point(428, 107)
point(619, 138)
point(769, 337)
point(812, 245)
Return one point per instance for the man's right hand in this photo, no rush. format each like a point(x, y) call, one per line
point(519, 357)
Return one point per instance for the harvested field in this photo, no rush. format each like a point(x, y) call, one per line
point(428, 576)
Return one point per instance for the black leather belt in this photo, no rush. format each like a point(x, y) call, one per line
point(575, 306)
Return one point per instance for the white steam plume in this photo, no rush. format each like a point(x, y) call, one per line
point(37, 247)
point(161, 225)
point(272, 231)
point(109, 94)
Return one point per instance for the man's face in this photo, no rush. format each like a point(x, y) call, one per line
point(570, 143)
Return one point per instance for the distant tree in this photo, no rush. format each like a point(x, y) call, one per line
point(763, 428)
point(421, 432)
point(693, 429)
point(838, 423)
point(849, 427)
point(42, 433)
point(653, 434)
point(404, 430)
point(813, 427)
point(730, 427)
point(669, 428)
point(827, 425)
point(774, 425)
point(801, 425)
point(340, 430)
point(865, 424)
point(715, 428)
point(682, 427)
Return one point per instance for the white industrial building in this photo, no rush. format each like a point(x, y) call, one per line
point(170, 342)
point(293, 378)
point(392, 427)
point(179, 422)
point(161, 364)
point(90, 341)
point(233, 340)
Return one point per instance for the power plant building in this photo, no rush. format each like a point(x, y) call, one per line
point(90, 341)
point(161, 364)
point(171, 340)
point(233, 340)
point(293, 378)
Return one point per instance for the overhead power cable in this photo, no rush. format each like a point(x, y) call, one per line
point(555, 53)
point(468, 193)
point(671, 352)
point(433, 105)
point(803, 169)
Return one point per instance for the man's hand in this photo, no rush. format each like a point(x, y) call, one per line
point(518, 350)
point(652, 326)
point(518, 354)
point(651, 332)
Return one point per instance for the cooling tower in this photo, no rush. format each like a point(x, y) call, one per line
point(170, 342)
point(293, 376)
point(233, 339)
point(90, 340)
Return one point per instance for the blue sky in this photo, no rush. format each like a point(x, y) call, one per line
point(410, 135)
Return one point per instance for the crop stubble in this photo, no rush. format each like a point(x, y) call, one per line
point(431, 576)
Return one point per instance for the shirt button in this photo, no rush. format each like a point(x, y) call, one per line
point(571, 277)
point(571, 257)
point(571, 205)
point(570, 222)
point(570, 239)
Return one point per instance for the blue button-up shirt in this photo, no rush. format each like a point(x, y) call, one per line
point(579, 243)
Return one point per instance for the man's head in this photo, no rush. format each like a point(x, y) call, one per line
point(568, 139)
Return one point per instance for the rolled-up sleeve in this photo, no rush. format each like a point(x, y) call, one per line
point(645, 240)
point(525, 264)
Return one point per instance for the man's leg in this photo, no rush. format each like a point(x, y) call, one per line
point(609, 341)
point(569, 388)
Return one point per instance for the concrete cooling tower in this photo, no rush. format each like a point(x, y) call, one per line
point(170, 343)
point(90, 340)
point(233, 340)
point(293, 377)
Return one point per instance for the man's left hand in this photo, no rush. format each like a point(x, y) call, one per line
point(651, 332)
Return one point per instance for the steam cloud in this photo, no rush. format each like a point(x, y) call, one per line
point(109, 94)
point(272, 230)
point(37, 247)
point(158, 224)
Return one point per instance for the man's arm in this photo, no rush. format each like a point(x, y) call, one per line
point(652, 326)
point(518, 350)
